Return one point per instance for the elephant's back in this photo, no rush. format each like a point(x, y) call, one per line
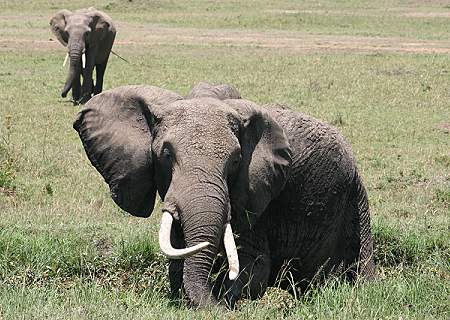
point(319, 150)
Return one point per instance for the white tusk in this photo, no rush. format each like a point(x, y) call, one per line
point(230, 249)
point(83, 60)
point(65, 59)
point(166, 246)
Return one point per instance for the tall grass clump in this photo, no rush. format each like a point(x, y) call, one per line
point(8, 164)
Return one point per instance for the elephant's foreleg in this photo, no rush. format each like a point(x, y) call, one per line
point(86, 89)
point(100, 72)
point(175, 278)
point(254, 260)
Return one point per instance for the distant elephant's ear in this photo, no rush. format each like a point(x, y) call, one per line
point(58, 26)
point(101, 24)
point(116, 130)
point(265, 164)
point(221, 92)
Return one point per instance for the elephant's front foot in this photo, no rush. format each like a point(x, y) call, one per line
point(75, 100)
point(231, 297)
point(85, 98)
point(253, 277)
point(176, 279)
point(97, 89)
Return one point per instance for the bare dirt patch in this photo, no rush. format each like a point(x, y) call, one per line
point(444, 127)
point(393, 12)
point(288, 41)
point(28, 44)
point(427, 14)
point(7, 192)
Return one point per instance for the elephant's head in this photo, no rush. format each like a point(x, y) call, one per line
point(209, 159)
point(78, 31)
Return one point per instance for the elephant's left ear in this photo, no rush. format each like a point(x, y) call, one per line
point(101, 23)
point(266, 161)
point(58, 25)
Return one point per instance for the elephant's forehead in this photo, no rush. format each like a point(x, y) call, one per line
point(203, 131)
point(77, 19)
point(204, 117)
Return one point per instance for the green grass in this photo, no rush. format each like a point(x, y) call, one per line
point(381, 18)
point(66, 251)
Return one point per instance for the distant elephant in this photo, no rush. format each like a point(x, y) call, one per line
point(89, 33)
point(284, 182)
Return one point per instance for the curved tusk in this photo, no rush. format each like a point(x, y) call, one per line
point(230, 249)
point(83, 60)
point(166, 246)
point(65, 59)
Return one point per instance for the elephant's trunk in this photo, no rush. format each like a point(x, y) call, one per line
point(75, 52)
point(166, 245)
point(207, 224)
point(203, 209)
point(173, 253)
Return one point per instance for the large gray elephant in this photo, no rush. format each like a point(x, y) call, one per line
point(278, 185)
point(88, 35)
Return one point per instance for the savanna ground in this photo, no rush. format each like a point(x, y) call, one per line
point(378, 70)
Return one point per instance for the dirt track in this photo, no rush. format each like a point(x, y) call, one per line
point(292, 41)
point(139, 35)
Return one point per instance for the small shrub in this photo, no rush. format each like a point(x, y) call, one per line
point(136, 254)
point(394, 247)
point(442, 196)
point(6, 180)
point(48, 189)
point(7, 160)
point(338, 120)
point(443, 160)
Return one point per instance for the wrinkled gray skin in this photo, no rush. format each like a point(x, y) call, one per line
point(287, 182)
point(90, 30)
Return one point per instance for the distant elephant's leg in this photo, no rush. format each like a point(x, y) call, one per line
point(100, 71)
point(254, 261)
point(87, 87)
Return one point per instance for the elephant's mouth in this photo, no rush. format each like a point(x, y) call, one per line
point(173, 253)
point(83, 59)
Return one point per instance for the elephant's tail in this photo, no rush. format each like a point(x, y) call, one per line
point(120, 57)
point(365, 265)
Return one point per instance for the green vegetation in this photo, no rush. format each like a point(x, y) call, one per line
point(66, 251)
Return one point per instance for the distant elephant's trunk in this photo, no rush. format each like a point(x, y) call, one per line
point(75, 53)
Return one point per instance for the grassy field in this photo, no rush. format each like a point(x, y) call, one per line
point(378, 70)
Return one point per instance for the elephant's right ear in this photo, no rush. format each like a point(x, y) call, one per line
point(265, 164)
point(116, 130)
point(58, 25)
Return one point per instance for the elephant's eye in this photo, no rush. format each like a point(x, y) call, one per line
point(166, 154)
point(236, 160)
point(233, 168)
